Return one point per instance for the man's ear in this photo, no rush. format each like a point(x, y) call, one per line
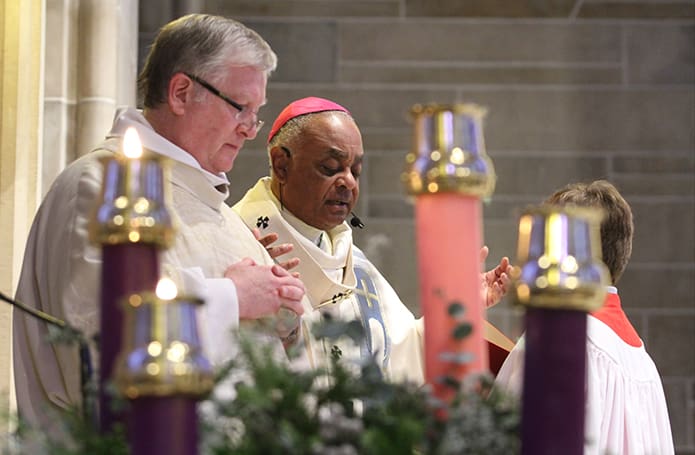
point(179, 93)
point(279, 161)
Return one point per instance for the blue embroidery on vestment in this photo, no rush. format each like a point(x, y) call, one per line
point(370, 309)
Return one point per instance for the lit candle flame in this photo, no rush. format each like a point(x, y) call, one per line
point(132, 147)
point(166, 289)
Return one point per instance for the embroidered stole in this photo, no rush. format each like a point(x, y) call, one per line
point(258, 209)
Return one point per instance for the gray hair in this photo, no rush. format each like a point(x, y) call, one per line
point(202, 44)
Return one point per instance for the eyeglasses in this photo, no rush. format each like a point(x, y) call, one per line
point(242, 110)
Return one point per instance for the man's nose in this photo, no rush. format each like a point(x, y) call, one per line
point(249, 131)
point(348, 180)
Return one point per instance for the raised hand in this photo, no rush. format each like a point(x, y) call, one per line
point(495, 282)
point(277, 250)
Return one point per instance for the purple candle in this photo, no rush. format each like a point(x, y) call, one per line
point(552, 417)
point(164, 426)
point(131, 223)
point(559, 279)
point(162, 371)
point(127, 269)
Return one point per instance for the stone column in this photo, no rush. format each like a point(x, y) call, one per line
point(106, 72)
point(60, 88)
point(91, 57)
point(20, 143)
point(97, 71)
point(128, 20)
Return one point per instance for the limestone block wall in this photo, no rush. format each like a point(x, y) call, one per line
point(576, 90)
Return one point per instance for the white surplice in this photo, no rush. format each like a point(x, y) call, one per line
point(626, 410)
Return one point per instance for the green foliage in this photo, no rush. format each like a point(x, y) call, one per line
point(481, 421)
point(336, 410)
point(344, 409)
point(456, 309)
point(71, 435)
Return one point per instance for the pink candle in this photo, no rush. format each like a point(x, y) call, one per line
point(448, 174)
point(448, 244)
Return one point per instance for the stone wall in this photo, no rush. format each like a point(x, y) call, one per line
point(576, 90)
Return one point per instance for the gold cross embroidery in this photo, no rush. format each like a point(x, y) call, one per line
point(368, 295)
point(335, 299)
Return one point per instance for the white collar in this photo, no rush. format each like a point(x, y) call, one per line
point(258, 209)
point(310, 232)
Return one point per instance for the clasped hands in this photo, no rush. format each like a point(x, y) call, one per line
point(269, 291)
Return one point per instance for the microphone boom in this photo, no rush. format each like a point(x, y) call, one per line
point(356, 222)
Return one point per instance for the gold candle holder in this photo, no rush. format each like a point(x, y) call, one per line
point(449, 151)
point(559, 259)
point(162, 354)
point(132, 207)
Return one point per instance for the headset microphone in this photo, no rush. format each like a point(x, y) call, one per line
point(356, 222)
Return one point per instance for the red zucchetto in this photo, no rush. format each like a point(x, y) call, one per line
point(303, 106)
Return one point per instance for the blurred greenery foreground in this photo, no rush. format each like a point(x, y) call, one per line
point(344, 409)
